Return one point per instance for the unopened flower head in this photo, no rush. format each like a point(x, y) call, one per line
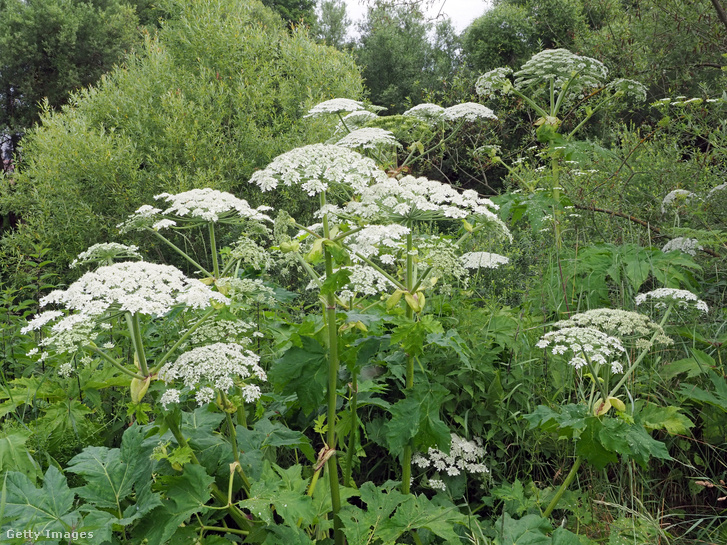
point(464, 456)
point(468, 111)
point(429, 113)
point(483, 260)
point(662, 297)
point(560, 66)
point(317, 167)
point(136, 287)
point(369, 138)
point(220, 366)
point(216, 331)
point(629, 88)
point(249, 291)
point(335, 106)
point(624, 324)
point(210, 205)
point(586, 344)
point(675, 198)
point(104, 252)
point(682, 244)
point(495, 81)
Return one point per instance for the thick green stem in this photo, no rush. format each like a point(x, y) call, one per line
point(115, 363)
point(333, 364)
point(352, 440)
point(233, 443)
point(132, 320)
point(410, 279)
point(563, 487)
point(213, 248)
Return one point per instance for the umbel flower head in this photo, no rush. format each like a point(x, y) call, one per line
point(586, 344)
point(624, 324)
point(560, 65)
point(494, 81)
point(134, 287)
point(104, 252)
point(464, 456)
point(468, 111)
point(218, 366)
point(368, 138)
point(662, 297)
point(317, 167)
point(335, 106)
point(427, 112)
point(420, 199)
point(194, 206)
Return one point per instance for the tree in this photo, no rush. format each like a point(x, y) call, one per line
point(399, 62)
point(52, 47)
point(333, 23)
point(218, 92)
point(294, 11)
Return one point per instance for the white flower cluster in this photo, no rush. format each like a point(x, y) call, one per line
point(368, 138)
point(246, 290)
point(421, 199)
point(376, 240)
point(105, 251)
point(136, 287)
point(250, 253)
point(222, 330)
point(630, 88)
point(675, 198)
point(494, 81)
point(207, 205)
point(664, 296)
point(687, 245)
point(314, 168)
point(560, 65)
point(624, 324)
point(220, 366)
point(335, 106)
point(464, 456)
point(468, 111)
point(364, 280)
point(483, 260)
point(427, 112)
point(587, 344)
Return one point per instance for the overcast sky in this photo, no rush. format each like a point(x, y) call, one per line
point(462, 12)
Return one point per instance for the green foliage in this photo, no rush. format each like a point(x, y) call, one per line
point(218, 92)
point(53, 47)
point(399, 63)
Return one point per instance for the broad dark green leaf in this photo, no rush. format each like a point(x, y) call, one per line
point(304, 371)
point(529, 530)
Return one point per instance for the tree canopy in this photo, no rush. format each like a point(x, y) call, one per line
point(216, 93)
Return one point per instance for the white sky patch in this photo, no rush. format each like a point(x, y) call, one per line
point(462, 12)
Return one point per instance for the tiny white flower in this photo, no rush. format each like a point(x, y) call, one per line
point(334, 106)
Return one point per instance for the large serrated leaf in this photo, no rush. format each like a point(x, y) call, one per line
point(303, 371)
point(49, 508)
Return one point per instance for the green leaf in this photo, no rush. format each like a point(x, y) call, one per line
point(718, 398)
point(185, 495)
point(108, 479)
point(416, 418)
point(46, 509)
point(274, 434)
point(529, 530)
point(14, 456)
point(303, 371)
point(360, 525)
point(668, 418)
point(335, 281)
point(418, 512)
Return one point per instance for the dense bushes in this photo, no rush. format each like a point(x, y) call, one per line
point(217, 93)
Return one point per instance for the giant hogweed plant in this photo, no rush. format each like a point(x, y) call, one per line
point(606, 347)
point(381, 244)
point(550, 83)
